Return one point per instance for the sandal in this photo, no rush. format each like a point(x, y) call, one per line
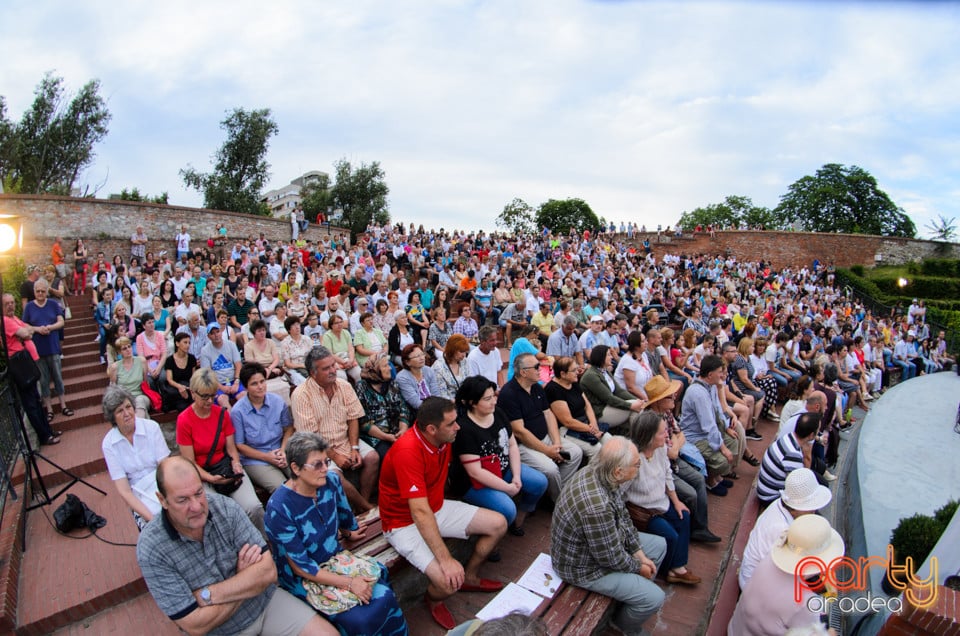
point(50, 416)
point(67, 412)
point(752, 460)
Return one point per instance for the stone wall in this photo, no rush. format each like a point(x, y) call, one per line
point(107, 225)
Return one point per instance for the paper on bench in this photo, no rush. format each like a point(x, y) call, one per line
point(511, 598)
point(540, 577)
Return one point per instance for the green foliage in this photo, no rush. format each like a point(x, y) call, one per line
point(858, 270)
point(926, 287)
point(316, 197)
point(53, 142)
point(734, 211)
point(943, 229)
point(940, 267)
point(517, 217)
point(916, 536)
point(134, 195)
point(241, 169)
point(843, 199)
point(562, 216)
point(14, 273)
point(361, 195)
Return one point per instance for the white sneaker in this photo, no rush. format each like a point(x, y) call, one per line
point(829, 476)
point(867, 397)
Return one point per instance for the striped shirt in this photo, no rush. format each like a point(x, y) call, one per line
point(314, 412)
point(782, 458)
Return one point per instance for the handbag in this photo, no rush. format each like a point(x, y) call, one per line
point(224, 467)
point(640, 516)
point(156, 403)
point(589, 438)
point(330, 599)
point(24, 369)
point(489, 463)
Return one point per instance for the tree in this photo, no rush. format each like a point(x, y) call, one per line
point(562, 216)
point(517, 217)
point(843, 199)
point(943, 229)
point(134, 195)
point(241, 169)
point(316, 197)
point(53, 142)
point(733, 212)
point(360, 195)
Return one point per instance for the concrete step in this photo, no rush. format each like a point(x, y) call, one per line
point(137, 616)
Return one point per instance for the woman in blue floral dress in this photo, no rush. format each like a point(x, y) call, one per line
point(305, 520)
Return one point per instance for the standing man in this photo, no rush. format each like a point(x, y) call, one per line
point(326, 405)
point(138, 244)
point(416, 517)
point(209, 569)
point(58, 258)
point(541, 447)
point(19, 338)
point(46, 318)
point(594, 544)
point(183, 243)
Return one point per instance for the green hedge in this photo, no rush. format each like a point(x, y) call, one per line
point(948, 267)
point(927, 287)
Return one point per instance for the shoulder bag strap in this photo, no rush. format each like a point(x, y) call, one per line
point(216, 438)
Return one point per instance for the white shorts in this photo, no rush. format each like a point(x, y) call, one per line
point(452, 520)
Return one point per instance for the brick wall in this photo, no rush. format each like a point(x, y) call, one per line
point(941, 618)
point(107, 225)
point(788, 248)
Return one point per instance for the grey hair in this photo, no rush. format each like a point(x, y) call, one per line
point(514, 624)
point(569, 321)
point(643, 428)
point(399, 313)
point(316, 354)
point(113, 399)
point(301, 444)
point(616, 453)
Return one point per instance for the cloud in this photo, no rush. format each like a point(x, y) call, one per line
point(642, 109)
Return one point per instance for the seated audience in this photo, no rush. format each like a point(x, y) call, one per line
point(387, 415)
point(262, 423)
point(574, 413)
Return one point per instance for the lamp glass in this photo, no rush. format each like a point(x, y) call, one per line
point(8, 237)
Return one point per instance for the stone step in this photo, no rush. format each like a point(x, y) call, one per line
point(77, 452)
point(96, 576)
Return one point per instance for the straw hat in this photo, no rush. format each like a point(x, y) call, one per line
point(807, 536)
point(803, 492)
point(657, 388)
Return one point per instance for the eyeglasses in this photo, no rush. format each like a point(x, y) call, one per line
point(204, 396)
point(530, 367)
point(318, 464)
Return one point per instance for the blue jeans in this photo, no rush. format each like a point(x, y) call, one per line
point(681, 378)
point(794, 375)
point(534, 485)
point(908, 370)
point(640, 597)
point(779, 379)
point(676, 531)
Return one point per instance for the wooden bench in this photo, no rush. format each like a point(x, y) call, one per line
point(572, 610)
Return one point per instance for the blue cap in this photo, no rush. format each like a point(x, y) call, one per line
point(212, 326)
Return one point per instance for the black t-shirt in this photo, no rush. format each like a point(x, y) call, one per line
point(473, 439)
point(26, 290)
point(517, 404)
point(572, 396)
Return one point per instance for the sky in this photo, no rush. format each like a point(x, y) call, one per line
point(642, 109)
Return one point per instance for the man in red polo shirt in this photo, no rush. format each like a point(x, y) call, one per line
point(416, 518)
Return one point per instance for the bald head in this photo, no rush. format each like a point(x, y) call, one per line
point(174, 468)
point(817, 402)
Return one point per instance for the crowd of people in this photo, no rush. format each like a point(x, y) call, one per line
point(334, 378)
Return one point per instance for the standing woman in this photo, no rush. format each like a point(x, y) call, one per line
point(179, 369)
point(307, 518)
point(489, 473)
point(205, 435)
point(132, 449)
point(450, 368)
point(80, 268)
